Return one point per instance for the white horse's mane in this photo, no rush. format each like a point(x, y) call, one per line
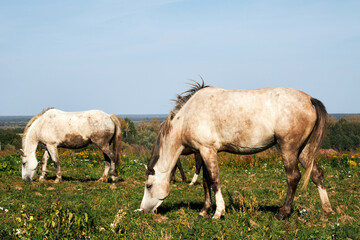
point(166, 124)
point(32, 120)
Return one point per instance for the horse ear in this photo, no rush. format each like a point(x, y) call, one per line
point(22, 152)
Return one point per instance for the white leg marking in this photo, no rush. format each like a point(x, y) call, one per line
point(326, 206)
point(220, 205)
point(323, 195)
point(194, 179)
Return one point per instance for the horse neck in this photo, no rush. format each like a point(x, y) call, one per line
point(30, 140)
point(169, 153)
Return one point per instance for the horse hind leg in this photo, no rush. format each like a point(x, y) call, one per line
point(173, 172)
point(107, 161)
point(198, 162)
point(183, 177)
point(109, 157)
point(44, 165)
point(317, 176)
point(293, 177)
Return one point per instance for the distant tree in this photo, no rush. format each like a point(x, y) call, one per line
point(343, 135)
point(10, 137)
point(352, 118)
point(147, 132)
point(124, 125)
point(146, 138)
point(155, 125)
point(143, 133)
point(129, 134)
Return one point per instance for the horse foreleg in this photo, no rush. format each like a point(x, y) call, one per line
point(207, 193)
point(293, 177)
point(44, 165)
point(54, 155)
point(198, 162)
point(211, 163)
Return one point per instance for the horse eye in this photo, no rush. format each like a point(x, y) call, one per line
point(148, 186)
point(23, 164)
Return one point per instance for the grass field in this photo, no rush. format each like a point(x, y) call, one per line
point(253, 188)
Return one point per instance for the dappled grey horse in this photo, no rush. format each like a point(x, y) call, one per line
point(208, 120)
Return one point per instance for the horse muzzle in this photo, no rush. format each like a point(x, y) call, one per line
point(150, 205)
point(27, 178)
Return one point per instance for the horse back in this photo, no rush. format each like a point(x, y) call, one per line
point(74, 129)
point(245, 121)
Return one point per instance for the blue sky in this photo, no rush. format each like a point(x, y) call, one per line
point(134, 56)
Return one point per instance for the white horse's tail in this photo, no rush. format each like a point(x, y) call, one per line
point(117, 138)
point(316, 138)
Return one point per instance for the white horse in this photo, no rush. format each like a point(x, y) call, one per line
point(73, 130)
point(208, 120)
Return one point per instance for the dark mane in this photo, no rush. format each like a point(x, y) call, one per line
point(32, 120)
point(166, 124)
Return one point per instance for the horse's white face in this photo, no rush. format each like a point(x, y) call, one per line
point(156, 190)
point(29, 166)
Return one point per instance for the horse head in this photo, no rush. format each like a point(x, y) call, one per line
point(156, 190)
point(29, 166)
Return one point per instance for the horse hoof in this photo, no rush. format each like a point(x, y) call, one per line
point(219, 214)
point(57, 180)
point(282, 216)
point(41, 179)
point(216, 216)
point(327, 209)
point(329, 212)
point(202, 214)
point(114, 179)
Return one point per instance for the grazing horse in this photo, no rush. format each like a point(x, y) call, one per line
point(73, 130)
point(208, 120)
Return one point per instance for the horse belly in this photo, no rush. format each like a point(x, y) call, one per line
point(248, 142)
point(74, 141)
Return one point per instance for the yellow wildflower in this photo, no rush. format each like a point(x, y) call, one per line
point(353, 164)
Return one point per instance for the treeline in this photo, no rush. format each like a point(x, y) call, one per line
point(342, 135)
point(143, 133)
point(10, 139)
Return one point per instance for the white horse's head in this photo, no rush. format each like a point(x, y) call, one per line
point(156, 190)
point(29, 166)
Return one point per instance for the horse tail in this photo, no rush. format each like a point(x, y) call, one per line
point(316, 138)
point(117, 138)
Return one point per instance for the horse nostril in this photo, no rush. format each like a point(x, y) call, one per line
point(27, 179)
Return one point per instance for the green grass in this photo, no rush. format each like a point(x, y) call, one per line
point(79, 207)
